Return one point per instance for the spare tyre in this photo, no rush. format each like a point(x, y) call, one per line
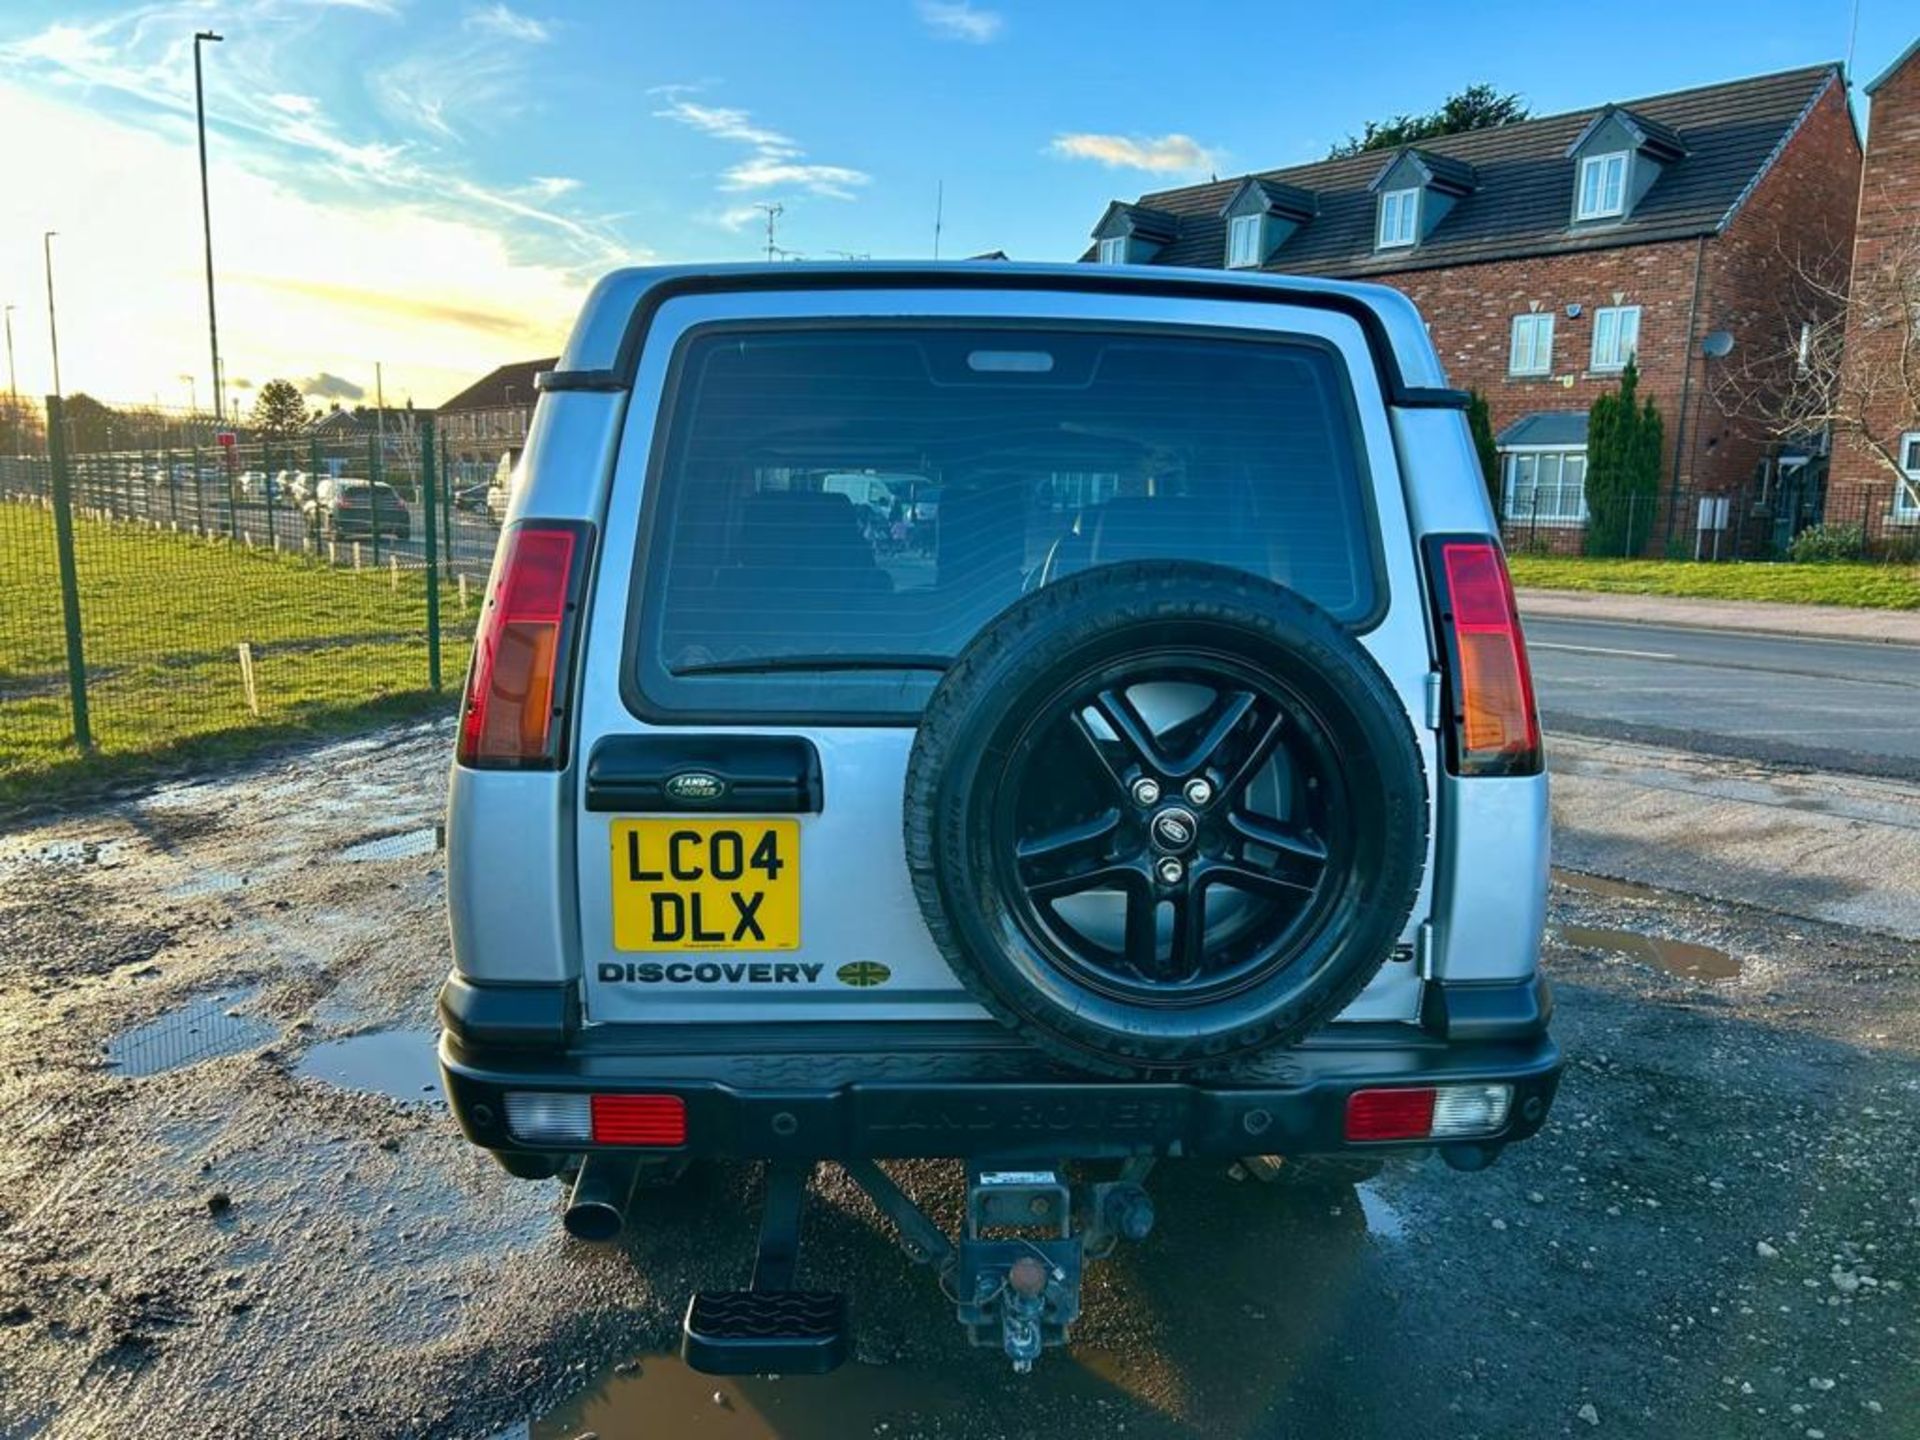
point(1162, 814)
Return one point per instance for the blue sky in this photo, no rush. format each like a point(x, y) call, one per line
point(433, 182)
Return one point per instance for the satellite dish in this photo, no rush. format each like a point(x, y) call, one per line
point(1718, 345)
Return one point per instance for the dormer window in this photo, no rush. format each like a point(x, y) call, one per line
point(1243, 242)
point(1603, 186)
point(1616, 160)
point(1399, 213)
point(1417, 190)
point(1261, 216)
point(1133, 234)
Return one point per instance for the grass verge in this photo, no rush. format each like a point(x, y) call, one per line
point(1879, 587)
point(164, 616)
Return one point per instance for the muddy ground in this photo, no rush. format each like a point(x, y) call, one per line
point(230, 1205)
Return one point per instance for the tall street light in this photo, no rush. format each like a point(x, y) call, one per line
point(53, 325)
point(206, 216)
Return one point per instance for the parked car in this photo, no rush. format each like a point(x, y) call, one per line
point(472, 498)
point(360, 509)
point(500, 491)
point(1206, 818)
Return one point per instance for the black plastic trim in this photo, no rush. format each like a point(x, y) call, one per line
point(866, 1104)
point(1399, 393)
point(1476, 1011)
point(510, 1017)
point(549, 380)
point(757, 774)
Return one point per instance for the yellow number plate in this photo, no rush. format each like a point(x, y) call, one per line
point(706, 884)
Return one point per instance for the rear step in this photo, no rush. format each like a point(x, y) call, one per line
point(770, 1329)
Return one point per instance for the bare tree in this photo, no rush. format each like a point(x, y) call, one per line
point(1842, 355)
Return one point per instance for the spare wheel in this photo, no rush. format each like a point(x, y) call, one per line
point(1163, 814)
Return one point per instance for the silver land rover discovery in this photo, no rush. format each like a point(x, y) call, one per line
point(1053, 717)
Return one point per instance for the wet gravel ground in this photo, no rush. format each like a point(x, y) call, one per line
point(249, 1218)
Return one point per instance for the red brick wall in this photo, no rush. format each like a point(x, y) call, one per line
point(1889, 210)
point(1809, 191)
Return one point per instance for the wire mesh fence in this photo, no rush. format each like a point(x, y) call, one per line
point(168, 599)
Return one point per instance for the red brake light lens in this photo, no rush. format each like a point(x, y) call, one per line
point(516, 687)
point(1496, 727)
point(659, 1120)
point(1398, 1114)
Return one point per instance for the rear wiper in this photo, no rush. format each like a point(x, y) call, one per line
point(778, 664)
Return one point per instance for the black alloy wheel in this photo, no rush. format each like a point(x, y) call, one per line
point(1160, 815)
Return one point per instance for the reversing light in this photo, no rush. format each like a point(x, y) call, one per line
point(516, 687)
point(545, 1117)
point(1495, 726)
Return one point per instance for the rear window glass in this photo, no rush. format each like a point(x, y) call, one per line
point(837, 512)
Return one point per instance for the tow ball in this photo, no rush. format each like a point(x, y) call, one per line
point(1019, 1261)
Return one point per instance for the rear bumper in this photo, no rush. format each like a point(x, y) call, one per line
point(837, 1092)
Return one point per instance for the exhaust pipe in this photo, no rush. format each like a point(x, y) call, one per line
point(597, 1209)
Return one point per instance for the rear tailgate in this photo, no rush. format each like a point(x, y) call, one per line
point(676, 920)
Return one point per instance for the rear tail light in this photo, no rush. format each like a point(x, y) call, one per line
point(548, 1117)
point(1494, 726)
point(1428, 1112)
point(639, 1120)
point(513, 715)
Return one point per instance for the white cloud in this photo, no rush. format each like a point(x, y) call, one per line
point(725, 123)
point(137, 63)
point(776, 161)
point(958, 20)
point(308, 285)
point(770, 172)
point(1158, 153)
point(499, 20)
point(552, 187)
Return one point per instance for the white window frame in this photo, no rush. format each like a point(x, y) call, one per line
point(1243, 242)
point(1535, 356)
point(1533, 459)
point(1906, 497)
point(1598, 166)
point(1619, 327)
point(1404, 208)
point(1113, 251)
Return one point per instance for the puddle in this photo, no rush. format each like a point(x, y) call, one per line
point(1383, 1216)
point(404, 846)
point(201, 1030)
point(1609, 889)
point(399, 1063)
point(663, 1397)
point(1676, 957)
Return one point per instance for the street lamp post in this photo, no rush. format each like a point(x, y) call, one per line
point(53, 325)
point(206, 215)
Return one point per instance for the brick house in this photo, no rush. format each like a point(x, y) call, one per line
point(1544, 253)
point(1886, 253)
point(489, 418)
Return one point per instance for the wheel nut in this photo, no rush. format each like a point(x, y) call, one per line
point(1199, 792)
point(1171, 870)
point(1145, 791)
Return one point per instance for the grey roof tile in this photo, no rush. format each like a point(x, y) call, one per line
point(1523, 195)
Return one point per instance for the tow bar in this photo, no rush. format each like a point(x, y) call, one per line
point(1013, 1276)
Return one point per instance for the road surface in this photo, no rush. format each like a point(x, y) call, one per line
point(1836, 704)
